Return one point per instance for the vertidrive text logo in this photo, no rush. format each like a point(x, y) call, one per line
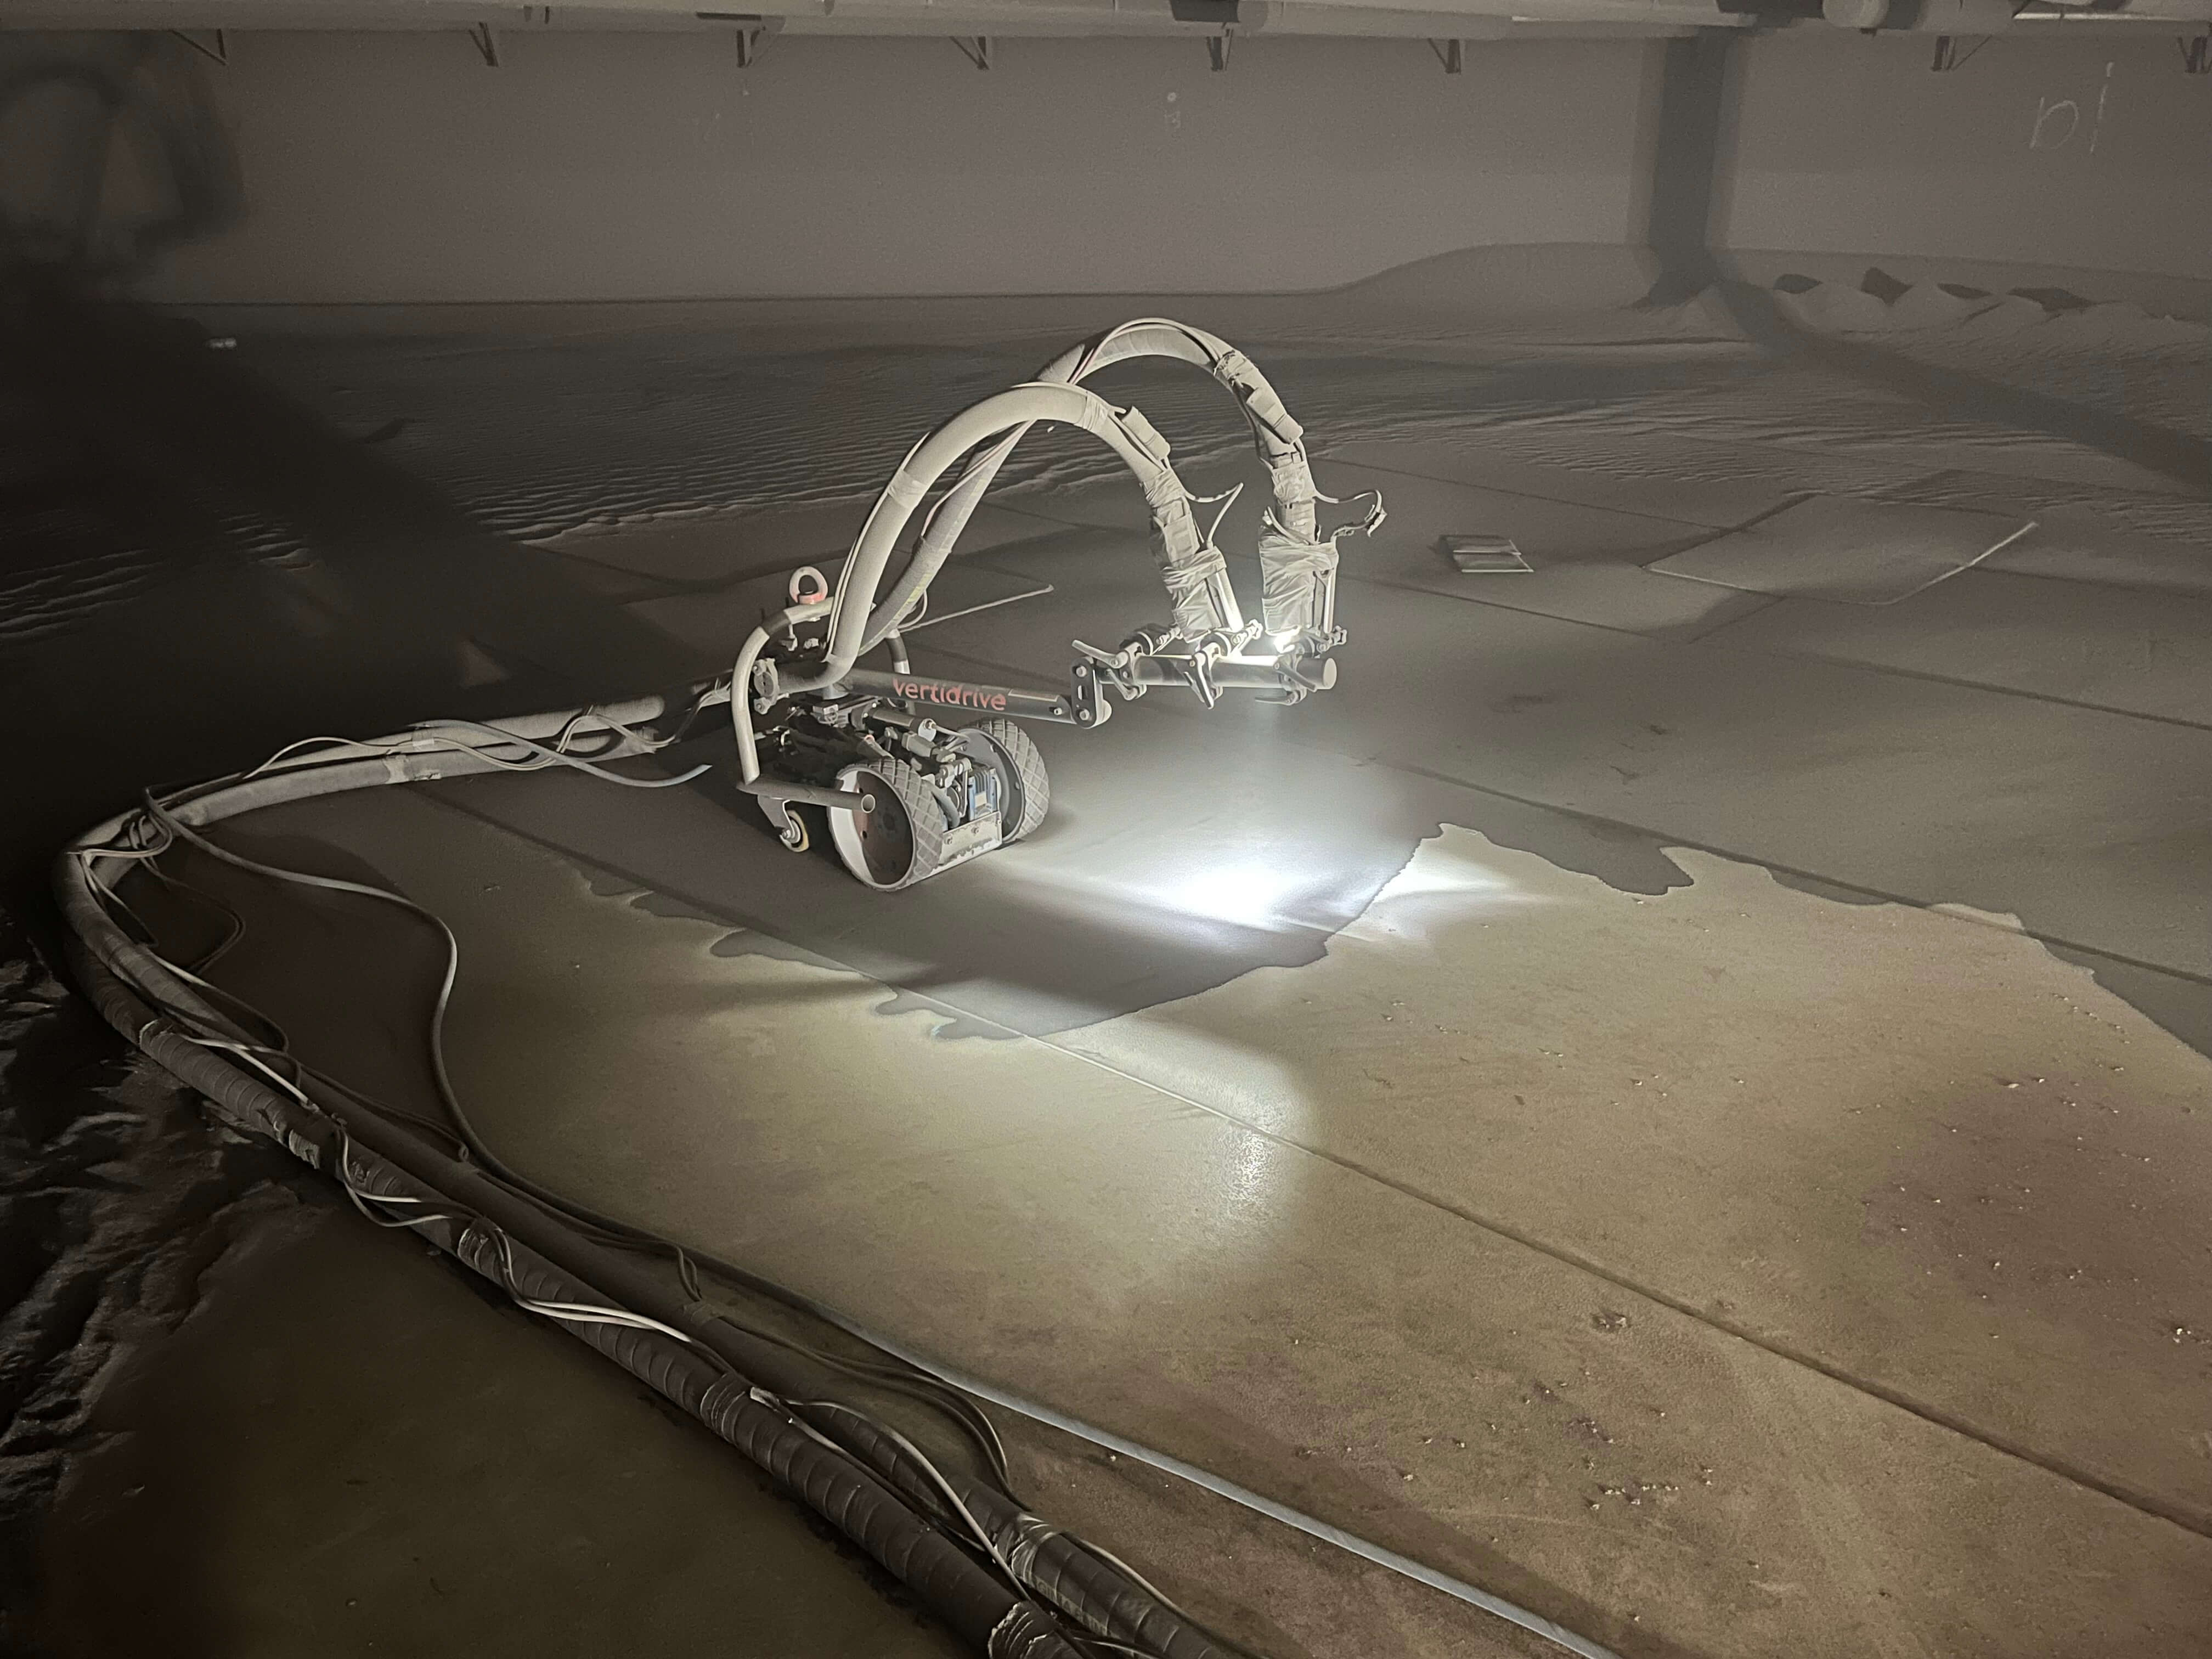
point(965, 696)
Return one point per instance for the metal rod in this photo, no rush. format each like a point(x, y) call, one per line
point(1230, 675)
point(806, 794)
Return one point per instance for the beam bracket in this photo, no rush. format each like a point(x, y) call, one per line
point(1217, 49)
point(216, 50)
point(1448, 54)
point(753, 35)
point(2196, 53)
point(486, 43)
point(1948, 55)
point(975, 48)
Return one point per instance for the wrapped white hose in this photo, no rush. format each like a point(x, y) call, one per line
point(1298, 573)
point(857, 622)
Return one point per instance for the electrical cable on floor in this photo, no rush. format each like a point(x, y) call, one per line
point(159, 828)
point(853, 1499)
point(449, 1098)
point(143, 836)
point(1313, 1527)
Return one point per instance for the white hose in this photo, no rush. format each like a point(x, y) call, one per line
point(1279, 438)
point(857, 622)
point(741, 696)
point(82, 886)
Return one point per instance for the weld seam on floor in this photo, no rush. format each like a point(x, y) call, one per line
point(1674, 636)
point(1533, 495)
point(2198, 595)
point(1666, 838)
point(1360, 580)
point(1946, 679)
point(1932, 907)
point(1701, 635)
point(2144, 1503)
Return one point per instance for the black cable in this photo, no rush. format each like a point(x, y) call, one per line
point(890, 1373)
point(906, 1465)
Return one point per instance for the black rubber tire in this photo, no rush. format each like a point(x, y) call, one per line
point(861, 840)
point(1013, 755)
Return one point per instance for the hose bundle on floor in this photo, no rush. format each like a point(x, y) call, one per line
point(1010, 1583)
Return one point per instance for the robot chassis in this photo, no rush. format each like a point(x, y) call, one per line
point(909, 795)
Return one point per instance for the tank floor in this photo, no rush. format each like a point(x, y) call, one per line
point(1687, 1108)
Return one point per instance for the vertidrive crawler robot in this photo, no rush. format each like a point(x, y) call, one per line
point(913, 783)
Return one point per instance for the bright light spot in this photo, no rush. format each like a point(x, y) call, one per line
point(1245, 893)
point(1248, 1175)
point(1267, 887)
point(1238, 1187)
point(1440, 883)
point(1273, 888)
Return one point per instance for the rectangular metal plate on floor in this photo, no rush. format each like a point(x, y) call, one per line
point(1483, 556)
point(1846, 550)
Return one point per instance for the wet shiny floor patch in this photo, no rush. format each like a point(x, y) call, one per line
point(1550, 1343)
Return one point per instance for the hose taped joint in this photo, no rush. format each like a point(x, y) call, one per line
point(1026, 1632)
point(1296, 575)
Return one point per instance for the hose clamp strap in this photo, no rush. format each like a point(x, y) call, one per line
point(1026, 1632)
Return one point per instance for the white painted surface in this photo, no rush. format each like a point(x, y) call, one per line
point(2037, 150)
point(398, 167)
